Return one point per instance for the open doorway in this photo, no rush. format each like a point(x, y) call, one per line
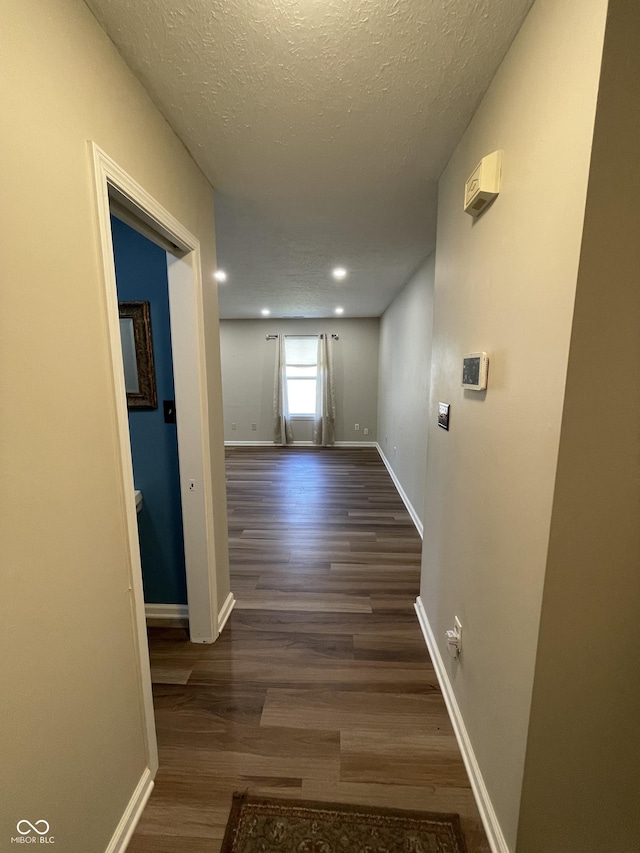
point(145, 324)
point(114, 187)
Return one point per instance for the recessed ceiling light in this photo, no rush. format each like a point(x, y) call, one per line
point(339, 273)
point(339, 310)
point(265, 312)
point(220, 275)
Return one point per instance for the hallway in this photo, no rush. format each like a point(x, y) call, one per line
point(320, 686)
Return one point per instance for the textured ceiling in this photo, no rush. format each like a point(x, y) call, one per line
point(323, 126)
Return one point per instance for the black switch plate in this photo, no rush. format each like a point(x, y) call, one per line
point(443, 415)
point(169, 407)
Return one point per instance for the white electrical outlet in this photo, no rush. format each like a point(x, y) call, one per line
point(233, 426)
point(357, 427)
point(454, 639)
point(366, 430)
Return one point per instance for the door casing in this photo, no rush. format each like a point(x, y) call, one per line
point(188, 343)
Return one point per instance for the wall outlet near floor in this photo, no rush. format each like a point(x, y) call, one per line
point(454, 639)
point(254, 426)
point(366, 430)
point(233, 426)
point(356, 427)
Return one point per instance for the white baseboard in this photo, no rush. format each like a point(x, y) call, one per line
point(250, 444)
point(355, 444)
point(298, 444)
point(167, 612)
point(122, 836)
point(225, 611)
point(490, 821)
point(405, 500)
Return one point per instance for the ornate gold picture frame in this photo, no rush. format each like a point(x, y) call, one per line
point(137, 353)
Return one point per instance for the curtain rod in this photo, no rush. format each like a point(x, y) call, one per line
point(275, 337)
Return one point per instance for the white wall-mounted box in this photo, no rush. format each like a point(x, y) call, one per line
point(484, 184)
point(475, 369)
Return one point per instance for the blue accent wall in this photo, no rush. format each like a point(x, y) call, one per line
point(141, 274)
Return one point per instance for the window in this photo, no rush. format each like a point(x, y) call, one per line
point(301, 356)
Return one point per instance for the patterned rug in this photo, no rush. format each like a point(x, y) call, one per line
point(258, 825)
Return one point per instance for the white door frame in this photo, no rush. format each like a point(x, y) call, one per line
point(187, 332)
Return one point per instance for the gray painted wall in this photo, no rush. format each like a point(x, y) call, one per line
point(582, 771)
point(248, 366)
point(404, 381)
point(74, 741)
point(506, 283)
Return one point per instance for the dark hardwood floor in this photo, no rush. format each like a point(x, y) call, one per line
point(320, 686)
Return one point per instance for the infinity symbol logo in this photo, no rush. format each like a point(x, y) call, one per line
point(31, 826)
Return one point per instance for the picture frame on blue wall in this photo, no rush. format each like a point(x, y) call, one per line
point(137, 355)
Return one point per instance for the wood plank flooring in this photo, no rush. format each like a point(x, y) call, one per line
point(320, 686)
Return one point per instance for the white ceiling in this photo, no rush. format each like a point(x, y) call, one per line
point(323, 126)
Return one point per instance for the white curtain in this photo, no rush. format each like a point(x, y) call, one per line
point(324, 427)
point(282, 431)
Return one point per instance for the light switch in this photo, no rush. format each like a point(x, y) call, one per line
point(443, 415)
